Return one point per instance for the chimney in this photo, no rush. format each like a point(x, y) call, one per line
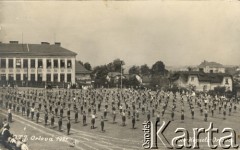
point(13, 42)
point(44, 43)
point(58, 43)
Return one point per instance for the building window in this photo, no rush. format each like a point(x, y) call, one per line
point(49, 63)
point(18, 77)
point(226, 81)
point(25, 63)
point(40, 63)
point(18, 63)
point(10, 63)
point(69, 77)
point(69, 64)
point(55, 63)
point(211, 71)
point(62, 63)
point(25, 77)
point(48, 77)
point(32, 77)
point(55, 77)
point(3, 63)
point(192, 79)
point(33, 63)
point(3, 77)
point(10, 77)
point(39, 77)
point(62, 77)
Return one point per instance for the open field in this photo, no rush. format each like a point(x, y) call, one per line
point(116, 136)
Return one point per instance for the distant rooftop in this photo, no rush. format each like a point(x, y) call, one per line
point(210, 64)
point(80, 69)
point(43, 49)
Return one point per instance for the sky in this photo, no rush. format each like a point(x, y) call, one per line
point(139, 32)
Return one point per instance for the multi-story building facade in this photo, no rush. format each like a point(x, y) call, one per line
point(36, 63)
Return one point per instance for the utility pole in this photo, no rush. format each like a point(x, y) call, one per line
point(121, 74)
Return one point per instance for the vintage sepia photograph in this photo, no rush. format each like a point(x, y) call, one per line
point(119, 75)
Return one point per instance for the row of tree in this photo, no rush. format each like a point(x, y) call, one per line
point(99, 73)
point(158, 68)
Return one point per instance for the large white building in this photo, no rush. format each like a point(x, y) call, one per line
point(25, 64)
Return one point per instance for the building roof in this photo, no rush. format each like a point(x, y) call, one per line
point(8, 49)
point(80, 69)
point(210, 64)
point(202, 77)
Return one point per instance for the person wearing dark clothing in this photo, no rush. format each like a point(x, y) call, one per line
point(172, 115)
point(52, 119)
point(102, 124)
point(133, 122)
point(148, 116)
point(5, 136)
point(46, 117)
point(182, 116)
point(68, 113)
point(60, 124)
point(76, 115)
point(84, 118)
point(68, 126)
point(37, 116)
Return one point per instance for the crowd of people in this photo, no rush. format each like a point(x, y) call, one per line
point(101, 106)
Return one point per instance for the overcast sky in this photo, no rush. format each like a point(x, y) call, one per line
point(139, 32)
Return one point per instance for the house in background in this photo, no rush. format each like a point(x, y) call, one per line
point(114, 77)
point(83, 76)
point(236, 75)
point(146, 80)
point(202, 81)
point(211, 67)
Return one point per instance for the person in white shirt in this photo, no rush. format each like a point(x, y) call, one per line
point(93, 121)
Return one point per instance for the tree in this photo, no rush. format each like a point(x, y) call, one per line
point(115, 66)
point(133, 81)
point(134, 70)
point(100, 74)
point(158, 68)
point(87, 66)
point(79, 61)
point(145, 70)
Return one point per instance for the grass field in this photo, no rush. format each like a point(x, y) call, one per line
point(115, 135)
